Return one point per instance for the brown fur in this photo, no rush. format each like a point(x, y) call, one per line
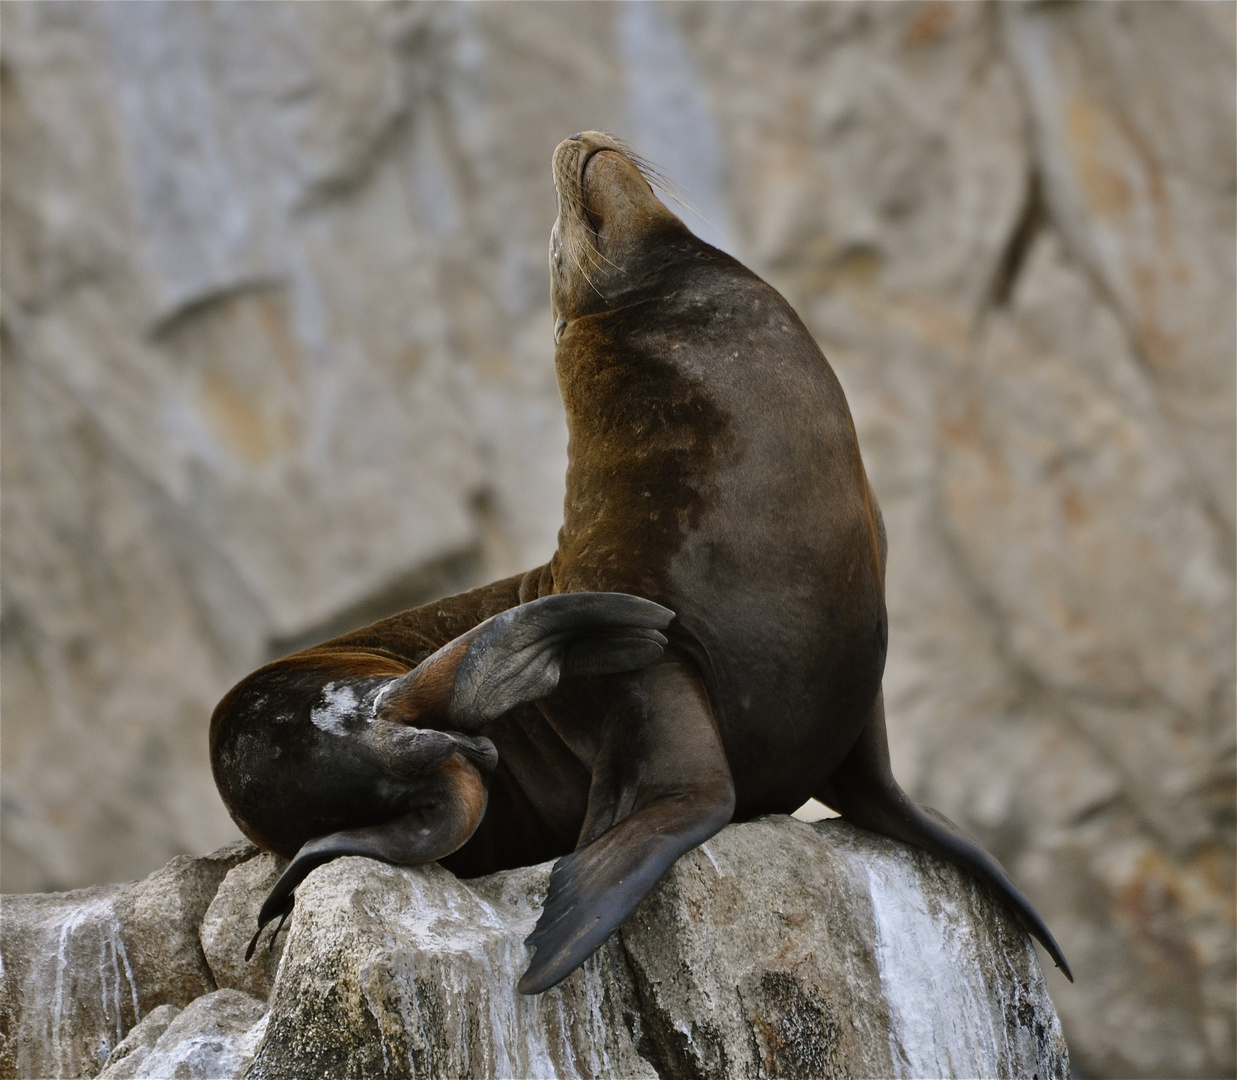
point(713, 468)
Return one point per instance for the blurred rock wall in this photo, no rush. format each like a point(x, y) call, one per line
point(277, 360)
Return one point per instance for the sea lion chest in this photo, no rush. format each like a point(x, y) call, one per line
point(713, 467)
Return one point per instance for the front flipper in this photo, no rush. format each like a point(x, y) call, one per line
point(518, 656)
point(862, 789)
point(449, 805)
point(661, 785)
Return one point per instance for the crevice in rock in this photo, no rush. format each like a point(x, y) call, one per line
point(1107, 297)
point(1080, 256)
point(1013, 258)
point(170, 322)
point(657, 1041)
point(384, 142)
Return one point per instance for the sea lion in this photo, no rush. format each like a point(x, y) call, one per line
point(713, 469)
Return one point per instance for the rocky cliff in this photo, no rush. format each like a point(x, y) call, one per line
point(777, 949)
point(276, 360)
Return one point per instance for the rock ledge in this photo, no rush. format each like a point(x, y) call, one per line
point(776, 949)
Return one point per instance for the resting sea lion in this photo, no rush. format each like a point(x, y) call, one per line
point(713, 469)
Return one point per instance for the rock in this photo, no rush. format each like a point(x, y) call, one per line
point(776, 949)
point(135, 1047)
point(828, 955)
point(212, 1039)
point(392, 972)
point(1133, 156)
point(281, 377)
point(80, 969)
point(230, 922)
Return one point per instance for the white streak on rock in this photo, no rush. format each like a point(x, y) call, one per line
point(709, 855)
point(214, 1038)
point(57, 988)
point(940, 1009)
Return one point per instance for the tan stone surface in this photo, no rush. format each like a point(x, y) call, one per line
point(276, 359)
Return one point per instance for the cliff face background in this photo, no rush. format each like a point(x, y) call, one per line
point(277, 360)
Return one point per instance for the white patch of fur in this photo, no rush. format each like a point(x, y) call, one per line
point(339, 705)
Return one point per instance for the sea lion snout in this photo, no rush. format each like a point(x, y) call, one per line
point(583, 141)
point(612, 186)
point(599, 175)
point(608, 216)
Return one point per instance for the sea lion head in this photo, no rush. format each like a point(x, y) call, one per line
point(609, 225)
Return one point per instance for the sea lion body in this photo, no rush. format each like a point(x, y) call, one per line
point(714, 468)
point(714, 473)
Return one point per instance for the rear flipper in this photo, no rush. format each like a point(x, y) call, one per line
point(661, 785)
point(518, 656)
point(862, 789)
point(449, 803)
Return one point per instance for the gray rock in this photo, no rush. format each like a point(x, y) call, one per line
point(838, 954)
point(776, 949)
point(229, 925)
point(211, 1039)
point(134, 1048)
point(80, 969)
point(392, 972)
point(214, 307)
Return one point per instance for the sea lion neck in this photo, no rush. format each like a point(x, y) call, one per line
point(612, 234)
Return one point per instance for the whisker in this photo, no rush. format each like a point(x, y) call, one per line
point(656, 178)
